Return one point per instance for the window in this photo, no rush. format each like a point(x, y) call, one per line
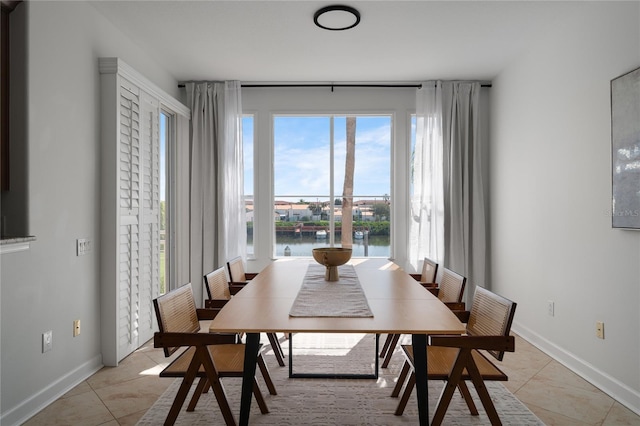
point(287, 150)
point(247, 149)
point(166, 132)
point(312, 194)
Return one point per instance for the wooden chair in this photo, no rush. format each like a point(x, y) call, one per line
point(458, 358)
point(219, 290)
point(209, 356)
point(428, 280)
point(239, 278)
point(449, 291)
point(237, 273)
point(429, 273)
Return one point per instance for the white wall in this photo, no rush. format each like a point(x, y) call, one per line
point(47, 287)
point(551, 196)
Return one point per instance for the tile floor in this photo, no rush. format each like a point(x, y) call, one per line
point(121, 395)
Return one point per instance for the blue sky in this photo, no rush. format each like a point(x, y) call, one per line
point(302, 160)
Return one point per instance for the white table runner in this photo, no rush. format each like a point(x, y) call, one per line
point(320, 298)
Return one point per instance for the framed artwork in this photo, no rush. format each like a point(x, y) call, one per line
point(625, 150)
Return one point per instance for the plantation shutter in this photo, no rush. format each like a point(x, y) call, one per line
point(130, 224)
point(150, 225)
point(139, 217)
point(129, 241)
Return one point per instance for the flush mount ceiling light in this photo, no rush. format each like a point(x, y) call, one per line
point(337, 17)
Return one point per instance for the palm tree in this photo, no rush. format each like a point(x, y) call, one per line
point(347, 191)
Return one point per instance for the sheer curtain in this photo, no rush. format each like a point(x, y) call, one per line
point(218, 222)
point(426, 232)
point(448, 206)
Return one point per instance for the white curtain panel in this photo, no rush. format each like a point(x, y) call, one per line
point(426, 233)
point(218, 227)
point(447, 203)
point(232, 221)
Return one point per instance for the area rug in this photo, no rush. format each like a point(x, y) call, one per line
point(337, 401)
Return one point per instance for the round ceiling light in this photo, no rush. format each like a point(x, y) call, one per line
point(337, 18)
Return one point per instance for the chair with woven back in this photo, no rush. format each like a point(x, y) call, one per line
point(458, 358)
point(427, 278)
point(208, 356)
point(219, 292)
point(237, 273)
point(429, 273)
point(450, 291)
point(240, 278)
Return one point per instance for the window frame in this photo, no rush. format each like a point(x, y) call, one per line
point(333, 193)
point(170, 198)
point(266, 103)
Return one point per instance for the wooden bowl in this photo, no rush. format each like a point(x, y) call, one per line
point(331, 258)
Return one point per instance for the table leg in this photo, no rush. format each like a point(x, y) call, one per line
point(252, 346)
point(419, 342)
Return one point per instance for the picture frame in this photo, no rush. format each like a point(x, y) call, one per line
point(625, 150)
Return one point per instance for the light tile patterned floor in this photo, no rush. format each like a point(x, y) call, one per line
point(121, 395)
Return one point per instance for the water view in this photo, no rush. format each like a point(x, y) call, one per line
point(378, 246)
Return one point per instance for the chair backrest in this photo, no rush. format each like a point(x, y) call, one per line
point(491, 315)
point(216, 284)
point(429, 271)
point(176, 313)
point(236, 270)
point(451, 287)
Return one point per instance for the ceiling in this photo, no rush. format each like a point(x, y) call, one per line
point(277, 41)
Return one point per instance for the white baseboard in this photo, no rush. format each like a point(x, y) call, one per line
point(617, 390)
point(33, 405)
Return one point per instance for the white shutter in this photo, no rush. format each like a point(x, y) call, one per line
point(150, 223)
point(129, 239)
point(130, 234)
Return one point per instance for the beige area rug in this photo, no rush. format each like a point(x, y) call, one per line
point(337, 401)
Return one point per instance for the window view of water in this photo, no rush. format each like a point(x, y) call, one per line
point(377, 246)
point(325, 182)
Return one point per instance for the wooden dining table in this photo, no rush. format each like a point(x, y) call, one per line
point(400, 305)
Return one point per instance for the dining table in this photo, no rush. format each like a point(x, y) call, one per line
point(398, 305)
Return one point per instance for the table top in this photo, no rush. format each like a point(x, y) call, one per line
point(399, 303)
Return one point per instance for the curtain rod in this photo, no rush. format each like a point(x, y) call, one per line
point(332, 86)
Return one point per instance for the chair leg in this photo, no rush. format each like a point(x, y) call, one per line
point(181, 395)
point(407, 393)
point(401, 378)
point(266, 376)
point(275, 335)
point(202, 353)
point(392, 347)
point(483, 393)
point(259, 397)
point(277, 349)
point(464, 391)
point(223, 403)
point(455, 377)
point(385, 346)
point(203, 385)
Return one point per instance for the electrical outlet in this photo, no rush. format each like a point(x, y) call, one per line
point(550, 308)
point(47, 341)
point(76, 328)
point(83, 246)
point(600, 329)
